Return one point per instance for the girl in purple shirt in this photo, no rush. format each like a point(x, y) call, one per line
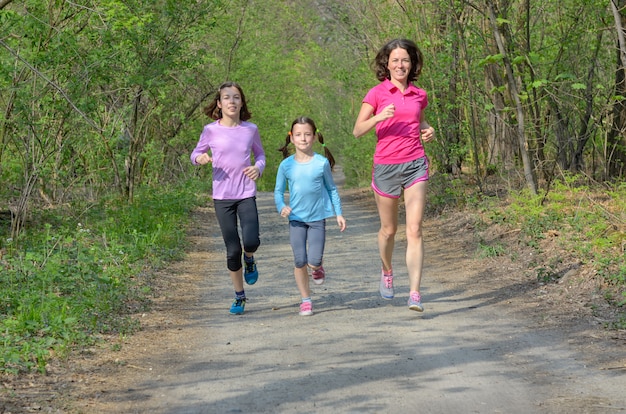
point(231, 140)
point(395, 109)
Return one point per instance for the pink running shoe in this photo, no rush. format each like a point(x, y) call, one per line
point(386, 286)
point(319, 276)
point(306, 309)
point(415, 302)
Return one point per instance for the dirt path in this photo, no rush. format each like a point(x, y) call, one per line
point(479, 347)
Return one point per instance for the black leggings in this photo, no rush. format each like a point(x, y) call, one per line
point(227, 212)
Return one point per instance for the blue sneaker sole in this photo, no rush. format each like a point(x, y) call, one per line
point(251, 278)
point(237, 310)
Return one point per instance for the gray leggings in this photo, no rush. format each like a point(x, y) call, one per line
point(313, 232)
point(227, 212)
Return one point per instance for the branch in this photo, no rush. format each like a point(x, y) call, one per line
point(4, 3)
point(237, 40)
point(620, 33)
point(51, 83)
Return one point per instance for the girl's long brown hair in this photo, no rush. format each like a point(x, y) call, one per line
point(214, 112)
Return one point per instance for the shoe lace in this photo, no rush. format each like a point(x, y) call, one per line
point(415, 297)
point(388, 281)
point(249, 267)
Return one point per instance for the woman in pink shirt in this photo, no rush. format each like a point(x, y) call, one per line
point(231, 140)
point(395, 109)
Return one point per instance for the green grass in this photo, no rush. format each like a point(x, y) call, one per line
point(82, 272)
point(589, 219)
point(490, 250)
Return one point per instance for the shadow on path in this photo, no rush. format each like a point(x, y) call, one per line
point(467, 353)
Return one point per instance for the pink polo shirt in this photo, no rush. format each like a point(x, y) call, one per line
point(399, 136)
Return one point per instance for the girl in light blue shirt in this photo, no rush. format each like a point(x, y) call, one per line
point(313, 197)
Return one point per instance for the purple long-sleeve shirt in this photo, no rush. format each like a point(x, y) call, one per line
point(231, 148)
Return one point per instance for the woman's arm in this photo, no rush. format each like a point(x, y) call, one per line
point(428, 132)
point(365, 121)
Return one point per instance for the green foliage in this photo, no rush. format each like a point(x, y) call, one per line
point(486, 250)
point(357, 159)
point(447, 191)
point(590, 221)
point(72, 280)
point(547, 275)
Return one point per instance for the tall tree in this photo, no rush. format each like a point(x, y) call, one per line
point(499, 36)
point(617, 134)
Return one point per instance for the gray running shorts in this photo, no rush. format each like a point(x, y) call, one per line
point(389, 180)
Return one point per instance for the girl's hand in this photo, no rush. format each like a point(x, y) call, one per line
point(252, 172)
point(203, 159)
point(285, 212)
point(341, 222)
point(428, 134)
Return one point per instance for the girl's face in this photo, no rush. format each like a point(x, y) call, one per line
point(302, 137)
point(399, 65)
point(230, 102)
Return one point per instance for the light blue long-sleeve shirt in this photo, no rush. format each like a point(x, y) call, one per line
point(313, 195)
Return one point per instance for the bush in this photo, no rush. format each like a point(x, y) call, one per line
point(70, 281)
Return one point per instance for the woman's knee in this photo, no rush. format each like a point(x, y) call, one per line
point(414, 232)
point(389, 232)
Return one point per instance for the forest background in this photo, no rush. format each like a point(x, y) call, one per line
point(101, 104)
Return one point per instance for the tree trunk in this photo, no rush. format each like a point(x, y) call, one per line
point(534, 107)
point(577, 161)
point(453, 138)
point(529, 172)
point(501, 142)
point(616, 143)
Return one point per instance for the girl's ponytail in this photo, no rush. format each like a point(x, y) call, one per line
point(327, 153)
point(285, 148)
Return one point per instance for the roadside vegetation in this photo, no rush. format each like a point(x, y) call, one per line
point(81, 270)
point(578, 223)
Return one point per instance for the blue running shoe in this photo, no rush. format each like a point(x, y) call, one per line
point(250, 274)
point(238, 306)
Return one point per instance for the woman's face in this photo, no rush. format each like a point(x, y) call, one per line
point(230, 102)
point(399, 65)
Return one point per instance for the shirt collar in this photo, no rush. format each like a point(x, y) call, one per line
point(391, 87)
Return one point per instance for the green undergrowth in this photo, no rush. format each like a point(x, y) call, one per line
point(589, 220)
point(81, 271)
